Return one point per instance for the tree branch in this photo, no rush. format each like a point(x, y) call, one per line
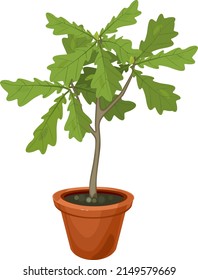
point(75, 92)
point(92, 131)
point(94, 170)
point(120, 95)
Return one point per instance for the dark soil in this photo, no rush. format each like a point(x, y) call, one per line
point(101, 199)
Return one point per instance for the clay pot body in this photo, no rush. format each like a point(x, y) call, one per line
point(93, 231)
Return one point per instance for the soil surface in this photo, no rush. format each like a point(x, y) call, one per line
point(100, 200)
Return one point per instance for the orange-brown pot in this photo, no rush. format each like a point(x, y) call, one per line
point(93, 231)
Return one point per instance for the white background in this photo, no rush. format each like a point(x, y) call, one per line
point(155, 157)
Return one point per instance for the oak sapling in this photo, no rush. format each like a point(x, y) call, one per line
point(91, 69)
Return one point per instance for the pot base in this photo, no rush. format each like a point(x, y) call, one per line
point(93, 238)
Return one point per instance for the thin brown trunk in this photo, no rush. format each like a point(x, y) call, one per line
point(94, 171)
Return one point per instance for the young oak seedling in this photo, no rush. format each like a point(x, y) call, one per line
point(90, 70)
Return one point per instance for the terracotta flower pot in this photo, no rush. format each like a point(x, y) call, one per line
point(93, 231)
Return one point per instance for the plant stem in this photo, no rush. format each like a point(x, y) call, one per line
point(97, 136)
point(99, 114)
point(120, 95)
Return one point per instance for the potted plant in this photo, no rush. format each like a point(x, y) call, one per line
point(98, 69)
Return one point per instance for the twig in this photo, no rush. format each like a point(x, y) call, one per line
point(121, 93)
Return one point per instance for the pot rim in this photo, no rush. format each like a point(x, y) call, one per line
point(93, 211)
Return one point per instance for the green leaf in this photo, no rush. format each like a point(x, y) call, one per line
point(126, 17)
point(24, 91)
point(72, 43)
point(123, 68)
point(68, 67)
point(175, 59)
point(92, 58)
point(159, 35)
point(78, 123)
point(61, 26)
point(45, 134)
point(118, 110)
point(107, 77)
point(122, 47)
point(159, 96)
point(84, 85)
